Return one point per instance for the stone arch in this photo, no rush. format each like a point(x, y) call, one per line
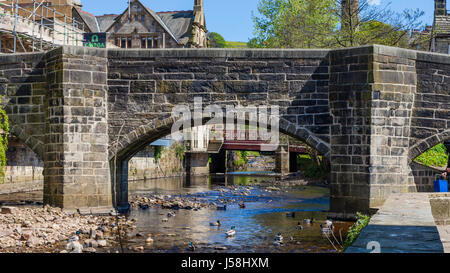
point(31, 142)
point(427, 143)
point(135, 140)
point(131, 143)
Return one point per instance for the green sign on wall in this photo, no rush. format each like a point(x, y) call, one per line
point(97, 40)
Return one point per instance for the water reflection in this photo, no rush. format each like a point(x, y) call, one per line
point(256, 225)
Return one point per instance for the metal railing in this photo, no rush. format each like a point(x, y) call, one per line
point(42, 20)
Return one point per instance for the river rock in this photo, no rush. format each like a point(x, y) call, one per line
point(102, 243)
point(90, 250)
point(8, 210)
point(26, 234)
point(33, 242)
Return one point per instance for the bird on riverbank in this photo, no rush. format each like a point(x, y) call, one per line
point(216, 224)
point(171, 214)
point(326, 230)
point(143, 206)
point(191, 246)
point(308, 221)
point(242, 205)
point(329, 223)
point(290, 214)
point(299, 226)
point(278, 239)
point(231, 232)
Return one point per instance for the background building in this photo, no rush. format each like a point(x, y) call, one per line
point(441, 28)
point(140, 27)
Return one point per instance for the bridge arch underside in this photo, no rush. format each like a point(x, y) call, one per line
point(128, 145)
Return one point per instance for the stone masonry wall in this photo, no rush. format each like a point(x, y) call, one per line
point(76, 165)
point(424, 177)
point(144, 85)
point(430, 124)
point(142, 166)
point(24, 169)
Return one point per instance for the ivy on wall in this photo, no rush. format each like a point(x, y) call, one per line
point(4, 131)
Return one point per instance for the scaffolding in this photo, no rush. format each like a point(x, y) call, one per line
point(36, 28)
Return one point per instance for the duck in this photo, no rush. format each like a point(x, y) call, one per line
point(242, 205)
point(329, 223)
point(216, 224)
point(224, 207)
point(143, 206)
point(279, 238)
point(290, 214)
point(231, 232)
point(171, 214)
point(299, 226)
point(191, 246)
point(326, 230)
point(74, 238)
point(308, 221)
point(113, 213)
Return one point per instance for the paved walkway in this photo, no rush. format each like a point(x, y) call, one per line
point(403, 225)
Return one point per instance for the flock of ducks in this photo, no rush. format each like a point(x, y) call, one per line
point(326, 229)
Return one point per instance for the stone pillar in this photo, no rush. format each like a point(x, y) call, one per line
point(76, 166)
point(121, 184)
point(371, 95)
point(282, 160)
point(197, 164)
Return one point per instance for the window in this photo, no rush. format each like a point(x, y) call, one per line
point(144, 42)
point(155, 42)
point(143, 18)
point(129, 42)
point(124, 43)
point(117, 42)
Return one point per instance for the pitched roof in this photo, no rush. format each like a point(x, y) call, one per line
point(106, 21)
point(89, 19)
point(179, 22)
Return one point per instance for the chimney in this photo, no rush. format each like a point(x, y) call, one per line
point(350, 13)
point(440, 7)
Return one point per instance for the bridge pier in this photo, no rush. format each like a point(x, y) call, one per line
point(197, 164)
point(282, 160)
point(76, 164)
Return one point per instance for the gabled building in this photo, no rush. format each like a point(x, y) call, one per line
point(441, 28)
point(140, 27)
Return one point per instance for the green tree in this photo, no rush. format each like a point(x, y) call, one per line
point(327, 23)
point(216, 40)
point(294, 23)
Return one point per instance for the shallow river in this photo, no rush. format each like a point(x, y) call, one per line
point(256, 225)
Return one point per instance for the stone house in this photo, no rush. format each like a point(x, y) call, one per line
point(140, 27)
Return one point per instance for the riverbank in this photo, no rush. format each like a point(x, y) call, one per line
point(47, 229)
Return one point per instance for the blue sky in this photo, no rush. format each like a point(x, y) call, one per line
point(233, 18)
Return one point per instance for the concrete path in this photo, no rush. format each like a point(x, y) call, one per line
point(403, 225)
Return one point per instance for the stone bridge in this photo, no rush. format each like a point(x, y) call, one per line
point(369, 110)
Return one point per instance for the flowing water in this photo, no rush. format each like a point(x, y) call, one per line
point(256, 225)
